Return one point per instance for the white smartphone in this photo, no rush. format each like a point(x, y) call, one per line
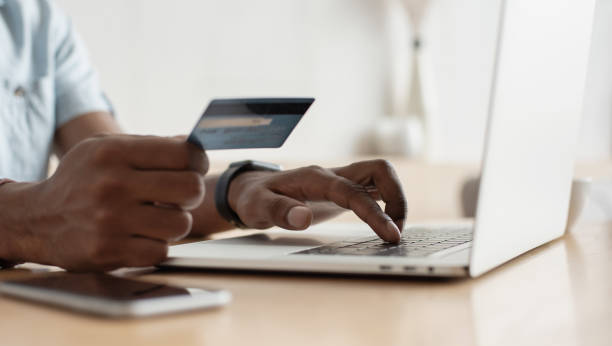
point(112, 296)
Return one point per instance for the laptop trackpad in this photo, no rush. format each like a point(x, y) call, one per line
point(255, 245)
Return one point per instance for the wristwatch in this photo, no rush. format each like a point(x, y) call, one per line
point(222, 187)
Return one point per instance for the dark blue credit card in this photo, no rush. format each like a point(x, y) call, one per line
point(248, 123)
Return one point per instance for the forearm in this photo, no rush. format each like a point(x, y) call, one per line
point(83, 127)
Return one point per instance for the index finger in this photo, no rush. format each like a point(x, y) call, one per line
point(381, 174)
point(162, 153)
point(319, 184)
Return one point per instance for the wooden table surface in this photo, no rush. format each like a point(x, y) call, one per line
point(558, 294)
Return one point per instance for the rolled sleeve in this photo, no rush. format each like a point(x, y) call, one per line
point(77, 88)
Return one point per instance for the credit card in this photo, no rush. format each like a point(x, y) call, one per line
point(248, 123)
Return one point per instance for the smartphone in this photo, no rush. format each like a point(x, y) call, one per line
point(111, 296)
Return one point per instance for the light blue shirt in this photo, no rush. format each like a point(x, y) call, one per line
point(46, 80)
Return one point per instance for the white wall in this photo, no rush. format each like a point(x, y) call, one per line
point(461, 41)
point(161, 62)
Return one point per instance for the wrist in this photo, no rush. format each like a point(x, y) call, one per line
point(226, 208)
point(15, 231)
point(236, 188)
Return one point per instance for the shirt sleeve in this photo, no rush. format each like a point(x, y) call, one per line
point(77, 89)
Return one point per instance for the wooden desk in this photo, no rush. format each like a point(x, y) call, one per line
point(558, 294)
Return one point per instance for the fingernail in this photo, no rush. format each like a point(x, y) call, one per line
point(394, 232)
point(299, 217)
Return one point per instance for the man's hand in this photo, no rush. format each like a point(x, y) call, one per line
point(114, 201)
point(265, 199)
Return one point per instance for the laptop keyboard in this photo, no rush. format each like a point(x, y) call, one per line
point(416, 242)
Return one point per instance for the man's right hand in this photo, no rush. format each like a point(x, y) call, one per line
point(114, 201)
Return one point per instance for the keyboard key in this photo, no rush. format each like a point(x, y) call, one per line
point(414, 243)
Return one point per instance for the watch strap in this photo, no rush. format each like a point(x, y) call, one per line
point(222, 187)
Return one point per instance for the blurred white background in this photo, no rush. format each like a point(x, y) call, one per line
point(161, 62)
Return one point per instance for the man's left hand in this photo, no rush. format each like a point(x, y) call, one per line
point(265, 199)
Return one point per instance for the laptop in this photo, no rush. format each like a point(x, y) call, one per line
point(535, 106)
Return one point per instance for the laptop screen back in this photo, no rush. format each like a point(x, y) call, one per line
point(534, 119)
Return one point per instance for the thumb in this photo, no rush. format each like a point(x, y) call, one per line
point(299, 217)
point(286, 212)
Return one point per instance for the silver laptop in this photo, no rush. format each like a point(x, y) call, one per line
point(534, 118)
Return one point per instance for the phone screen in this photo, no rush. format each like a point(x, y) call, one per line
point(103, 286)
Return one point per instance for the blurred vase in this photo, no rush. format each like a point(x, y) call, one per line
point(403, 131)
point(397, 135)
